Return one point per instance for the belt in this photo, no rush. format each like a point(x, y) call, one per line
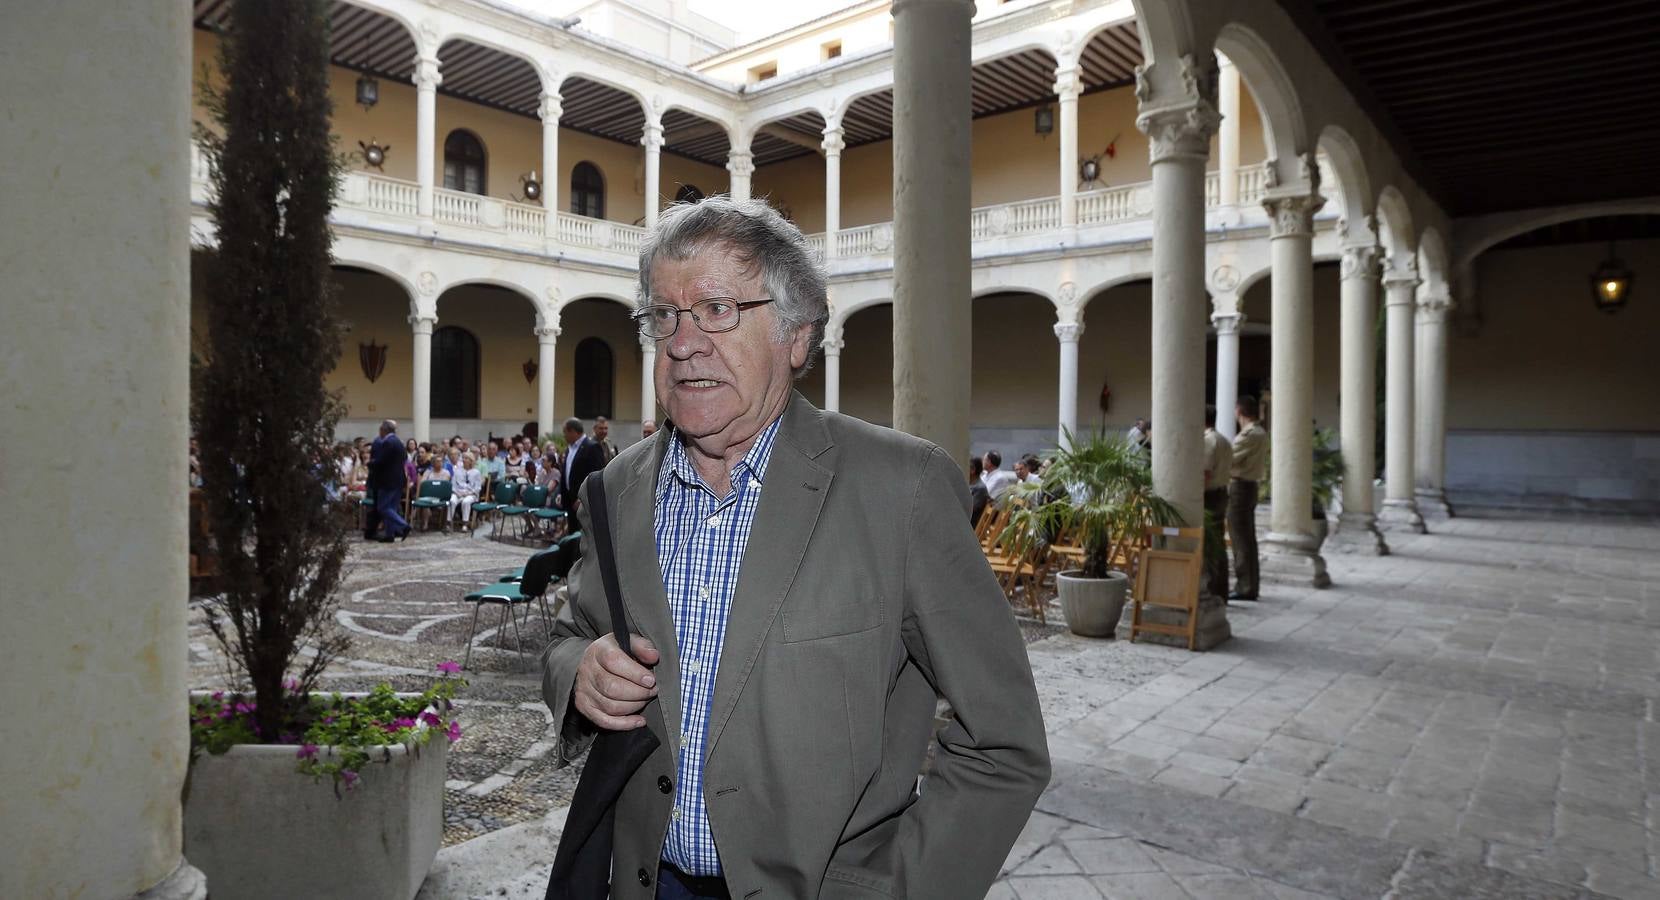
point(699, 885)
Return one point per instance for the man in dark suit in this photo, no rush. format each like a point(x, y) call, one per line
point(583, 457)
point(386, 482)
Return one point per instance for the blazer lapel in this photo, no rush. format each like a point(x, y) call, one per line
point(641, 578)
point(791, 498)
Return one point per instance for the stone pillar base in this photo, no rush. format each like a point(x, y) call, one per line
point(1356, 533)
point(1401, 516)
point(1293, 558)
point(1432, 504)
point(1213, 624)
point(185, 883)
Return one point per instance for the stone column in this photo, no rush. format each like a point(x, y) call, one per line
point(1227, 370)
point(97, 333)
point(552, 108)
point(833, 147)
point(427, 80)
point(1179, 129)
point(741, 164)
point(1068, 332)
point(648, 381)
point(1291, 548)
point(1227, 141)
point(1068, 85)
point(547, 341)
point(1356, 530)
point(931, 339)
point(421, 389)
point(1400, 509)
point(1431, 406)
point(832, 345)
point(652, 140)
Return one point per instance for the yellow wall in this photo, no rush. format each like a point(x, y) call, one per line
point(1544, 358)
point(608, 320)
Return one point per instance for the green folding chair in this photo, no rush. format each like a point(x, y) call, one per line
point(502, 496)
point(434, 495)
point(540, 573)
point(531, 497)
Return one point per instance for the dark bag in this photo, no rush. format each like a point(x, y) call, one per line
point(582, 867)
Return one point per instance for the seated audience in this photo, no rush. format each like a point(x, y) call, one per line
point(465, 486)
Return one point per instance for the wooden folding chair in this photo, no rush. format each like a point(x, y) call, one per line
point(1168, 578)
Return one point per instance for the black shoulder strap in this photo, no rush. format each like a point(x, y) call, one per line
point(600, 518)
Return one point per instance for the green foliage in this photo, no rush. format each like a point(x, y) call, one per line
point(1100, 492)
point(1325, 476)
point(265, 420)
point(355, 732)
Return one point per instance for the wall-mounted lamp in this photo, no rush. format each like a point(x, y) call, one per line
point(1611, 283)
point(531, 187)
point(1043, 120)
point(374, 154)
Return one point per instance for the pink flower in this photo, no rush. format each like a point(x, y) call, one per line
point(432, 720)
point(218, 695)
point(244, 708)
point(350, 777)
point(307, 751)
point(454, 734)
point(292, 685)
point(328, 720)
point(449, 667)
point(403, 722)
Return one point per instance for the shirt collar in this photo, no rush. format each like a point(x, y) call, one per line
point(678, 463)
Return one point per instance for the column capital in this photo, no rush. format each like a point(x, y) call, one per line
point(547, 334)
point(1227, 323)
point(426, 77)
point(832, 346)
point(1400, 271)
point(1069, 332)
point(1433, 308)
point(1362, 262)
point(652, 138)
point(422, 324)
point(1181, 131)
point(834, 143)
point(553, 106)
point(741, 163)
point(1292, 215)
point(1069, 83)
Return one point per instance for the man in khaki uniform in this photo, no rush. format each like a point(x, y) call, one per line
point(1250, 460)
point(1218, 468)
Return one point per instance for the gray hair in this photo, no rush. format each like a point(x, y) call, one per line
point(574, 424)
point(761, 238)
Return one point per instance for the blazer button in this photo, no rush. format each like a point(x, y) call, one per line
point(645, 879)
point(664, 784)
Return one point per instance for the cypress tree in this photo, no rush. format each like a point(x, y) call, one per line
point(265, 419)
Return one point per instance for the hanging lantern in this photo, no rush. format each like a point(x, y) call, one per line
point(1043, 121)
point(368, 92)
point(1611, 283)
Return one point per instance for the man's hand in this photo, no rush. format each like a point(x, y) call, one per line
point(611, 688)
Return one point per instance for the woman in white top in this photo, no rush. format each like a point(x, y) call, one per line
point(464, 487)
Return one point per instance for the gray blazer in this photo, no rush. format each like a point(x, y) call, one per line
point(862, 599)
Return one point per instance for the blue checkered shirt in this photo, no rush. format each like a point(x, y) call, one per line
point(700, 545)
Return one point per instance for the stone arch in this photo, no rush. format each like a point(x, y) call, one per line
point(1433, 262)
point(1086, 297)
point(840, 315)
point(1348, 165)
point(528, 295)
point(626, 302)
point(1285, 130)
point(397, 277)
point(1475, 236)
point(1395, 223)
point(1165, 27)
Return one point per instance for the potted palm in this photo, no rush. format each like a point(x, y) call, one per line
point(1097, 495)
point(1325, 477)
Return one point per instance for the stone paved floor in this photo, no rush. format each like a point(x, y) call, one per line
point(1472, 716)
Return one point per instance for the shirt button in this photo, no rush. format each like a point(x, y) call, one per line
point(675, 815)
point(703, 593)
point(714, 521)
point(664, 784)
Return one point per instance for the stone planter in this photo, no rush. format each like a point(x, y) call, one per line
point(1093, 606)
point(259, 829)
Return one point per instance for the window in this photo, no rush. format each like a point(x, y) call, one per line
point(454, 374)
point(594, 376)
point(587, 191)
point(763, 72)
point(688, 193)
point(464, 162)
point(832, 50)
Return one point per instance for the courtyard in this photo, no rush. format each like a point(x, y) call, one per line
point(1471, 716)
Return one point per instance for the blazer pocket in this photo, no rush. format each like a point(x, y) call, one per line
point(840, 883)
point(826, 620)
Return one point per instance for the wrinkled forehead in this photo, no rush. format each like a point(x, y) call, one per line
point(710, 269)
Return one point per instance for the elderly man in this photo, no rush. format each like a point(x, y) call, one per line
point(799, 585)
point(387, 476)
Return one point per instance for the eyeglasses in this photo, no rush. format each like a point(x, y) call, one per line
point(714, 315)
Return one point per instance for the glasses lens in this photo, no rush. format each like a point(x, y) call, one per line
point(716, 314)
point(658, 321)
